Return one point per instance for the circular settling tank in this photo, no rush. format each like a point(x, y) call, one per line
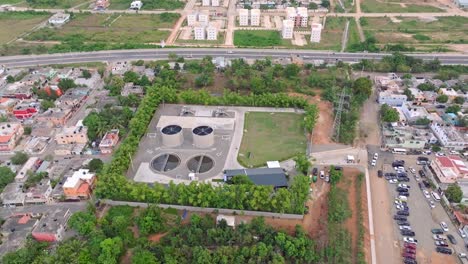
point(200, 164)
point(165, 162)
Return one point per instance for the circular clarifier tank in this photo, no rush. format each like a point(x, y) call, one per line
point(172, 136)
point(200, 164)
point(203, 136)
point(165, 162)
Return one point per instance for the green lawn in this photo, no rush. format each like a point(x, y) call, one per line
point(271, 136)
point(415, 31)
point(60, 4)
point(13, 24)
point(332, 35)
point(111, 28)
point(353, 34)
point(148, 4)
point(11, 2)
point(382, 6)
point(257, 38)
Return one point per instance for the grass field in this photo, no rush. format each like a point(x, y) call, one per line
point(13, 24)
point(60, 4)
point(271, 136)
point(257, 38)
point(148, 4)
point(353, 34)
point(415, 31)
point(11, 2)
point(114, 28)
point(382, 6)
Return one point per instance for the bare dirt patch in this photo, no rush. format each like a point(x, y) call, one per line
point(323, 130)
point(156, 237)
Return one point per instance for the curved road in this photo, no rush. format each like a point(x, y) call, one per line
point(158, 54)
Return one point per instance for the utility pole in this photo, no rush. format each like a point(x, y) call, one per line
point(337, 121)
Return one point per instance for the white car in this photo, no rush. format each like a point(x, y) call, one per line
point(426, 194)
point(431, 204)
point(417, 178)
point(439, 237)
point(440, 154)
point(405, 227)
point(399, 207)
point(373, 162)
point(393, 181)
point(402, 185)
point(410, 240)
point(444, 226)
point(376, 156)
point(412, 170)
point(462, 233)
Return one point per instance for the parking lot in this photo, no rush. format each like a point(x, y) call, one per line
point(422, 217)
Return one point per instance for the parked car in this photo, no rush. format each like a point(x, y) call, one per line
point(404, 194)
point(401, 207)
point(444, 250)
point(314, 171)
point(409, 250)
point(407, 233)
point(401, 189)
point(431, 204)
point(421, 185)
point(404, 179)
point(427, 194)
point(439, 237)
point(373, 163)
point(421, 173)
point(461, 232)
point(405, 227)
point(402, 185)
point(408, 255)
point(422, 161)
point(452, 239)
point(440, 106)
point(338, 168)
point(440, 243)
point(437, 231)
point(403, 223)
point(327, 178)
point(410, 240)
point(376, 156)
point(400, 217)
point(379, 173)
point(412, 170)
point(409, 261)
point(322, 174)
point(444, 226)
point(409, 245)
point(426, 184)
point(393, 181)
point(405, 213)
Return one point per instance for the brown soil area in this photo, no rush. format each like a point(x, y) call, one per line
point(156, 237)
point(324, 128)
point(365, 213)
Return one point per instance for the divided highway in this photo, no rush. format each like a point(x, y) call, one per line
point(158, 54)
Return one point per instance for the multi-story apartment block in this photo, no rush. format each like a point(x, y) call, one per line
point(199, 32)
point(315, 32)
point(192, 18)
point(214, 2)
point(243, 17)
point(205, 2)
point(211, 32)
point(298, 15)
point(449, 136)
point(255, 17)
point(288, 29)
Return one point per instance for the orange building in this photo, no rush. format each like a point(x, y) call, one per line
point(79, 185)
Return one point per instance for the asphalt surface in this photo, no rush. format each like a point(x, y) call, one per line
point(158, 54)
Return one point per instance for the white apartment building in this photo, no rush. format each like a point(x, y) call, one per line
point(255, 17)
point(315, 32)
point(199, 32)
point(302, 16)
point(449, 137)
point(206, 2)
point(192, 19)
point(290, 13)
point(211, 32)
point(288, 29)
point(203, 17)
point(243, 17)
point(214, 2)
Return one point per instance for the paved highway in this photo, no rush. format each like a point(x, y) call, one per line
point(158, 54)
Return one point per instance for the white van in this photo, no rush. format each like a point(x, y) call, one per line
point(435, 196)
point(403, 198)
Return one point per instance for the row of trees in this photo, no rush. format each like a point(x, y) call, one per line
point(99, 123)
point(113, 184)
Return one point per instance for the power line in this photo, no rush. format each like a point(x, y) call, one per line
point(337, 121)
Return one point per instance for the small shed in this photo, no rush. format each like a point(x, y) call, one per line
point(273, 164)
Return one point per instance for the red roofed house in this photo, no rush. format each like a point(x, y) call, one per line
point(10, 133)
point(24, 111)
point(449, 169)
point(52, 226)
point(109, 140)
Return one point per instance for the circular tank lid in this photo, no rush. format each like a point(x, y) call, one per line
point(202, 130)
point(171, 130)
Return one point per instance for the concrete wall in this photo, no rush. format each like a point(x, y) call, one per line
point(207, 210)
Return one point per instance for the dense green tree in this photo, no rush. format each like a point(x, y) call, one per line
point(111, 249)
point(6, 176)
point(131, 76)
point(362, 88)
point(454, 193)
point(459, 100)
point(312, 6)
point(389, 114)
point(442, 98)
point(325, 3)
point(453, 109)
point(10, 79)
point(66, 84)
point(427, 87)
point(151, 220)
point(27, 130)
point(83, 222)
point(86, 74)
point(46, 104)
point(19, 158)
point(95, 165)
point(302, 164)
point(424, 121)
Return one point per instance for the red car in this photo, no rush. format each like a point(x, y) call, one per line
point(410, 245)
point(409, 250)
point(408, 255)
